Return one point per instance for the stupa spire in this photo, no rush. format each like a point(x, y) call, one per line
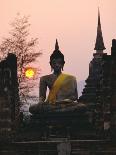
point(99, 45)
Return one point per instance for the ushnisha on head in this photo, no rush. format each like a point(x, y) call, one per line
point(57, 59)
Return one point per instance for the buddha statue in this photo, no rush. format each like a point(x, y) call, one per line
point(62, 87)
point(59, 114)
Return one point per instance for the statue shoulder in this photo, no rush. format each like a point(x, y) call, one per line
point(70, 76)
point(45, 77)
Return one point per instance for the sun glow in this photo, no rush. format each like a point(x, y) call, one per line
point(30, 72)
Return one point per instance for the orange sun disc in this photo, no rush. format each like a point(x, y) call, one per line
point(30, 72)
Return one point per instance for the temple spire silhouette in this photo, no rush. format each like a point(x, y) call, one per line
point(99, 45)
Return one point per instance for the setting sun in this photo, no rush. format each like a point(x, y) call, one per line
point(29, 72)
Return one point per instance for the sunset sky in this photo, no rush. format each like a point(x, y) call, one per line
point(72, 22)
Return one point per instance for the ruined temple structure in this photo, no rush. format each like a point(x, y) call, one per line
point(9, 99)
point(28, 139)
point(97, 91)
point(89, 94)
point(100, 89)
point(90, 132)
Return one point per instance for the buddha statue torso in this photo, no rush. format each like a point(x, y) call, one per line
point(67, 90)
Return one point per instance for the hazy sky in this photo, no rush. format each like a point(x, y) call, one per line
point(72, 22)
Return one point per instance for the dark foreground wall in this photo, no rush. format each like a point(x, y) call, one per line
point(9, 98)
point(59, 147)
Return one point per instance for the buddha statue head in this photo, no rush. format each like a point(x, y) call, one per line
point(57, 59)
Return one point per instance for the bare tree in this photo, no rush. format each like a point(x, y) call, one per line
point(26, 50)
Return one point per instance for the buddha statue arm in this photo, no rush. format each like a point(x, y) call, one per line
point(42, 90)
